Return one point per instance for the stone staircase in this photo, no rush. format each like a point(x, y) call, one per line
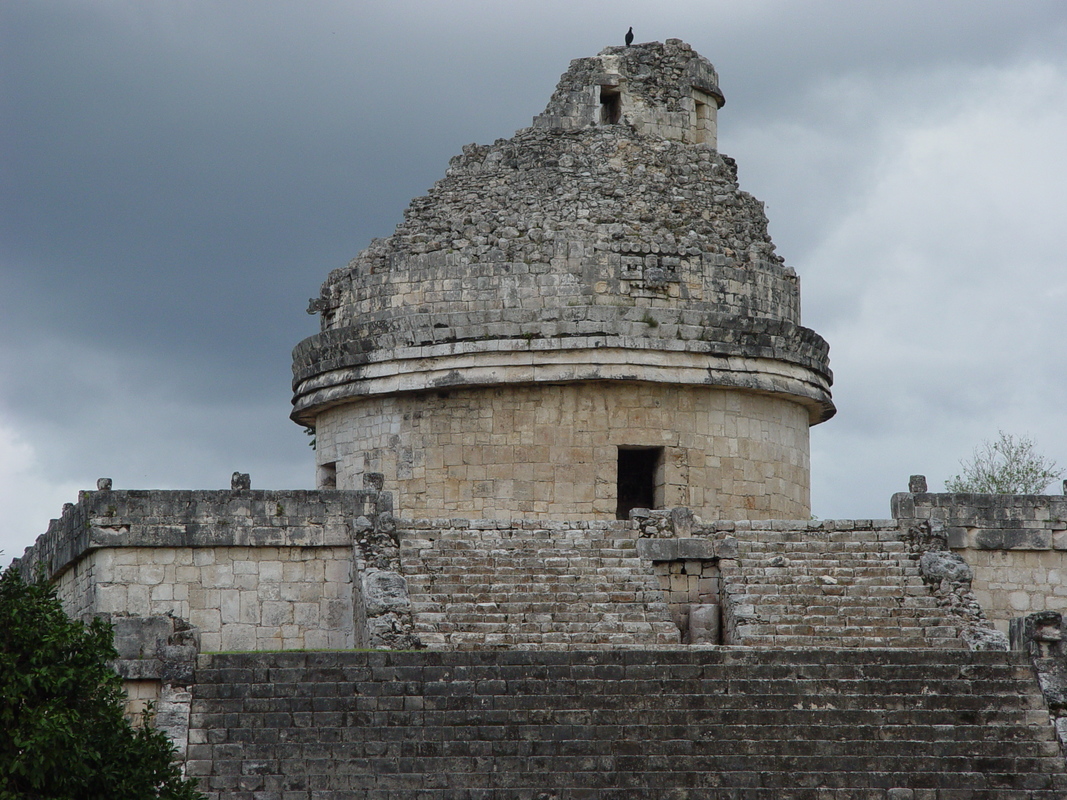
point(826, 588)
point(580, 586)
point(712, 724)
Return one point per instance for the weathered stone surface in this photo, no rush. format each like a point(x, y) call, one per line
point(705, 621)
point(939, 565)
point(984, 639)
point(552, 452)
point(682, 521)
point(384, 591)
point(184, 518)
point(1013, 539)
point(1015, 544)
point(676, 549)
point(713, 723)
point(601, 264)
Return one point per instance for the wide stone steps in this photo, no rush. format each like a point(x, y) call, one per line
point(808, 589)
point(718, 723)
point(525, 589)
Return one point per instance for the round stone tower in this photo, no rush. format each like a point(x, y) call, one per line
point(582, 319)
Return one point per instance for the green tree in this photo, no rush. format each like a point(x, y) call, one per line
point(63, 733)
point(1006, 466)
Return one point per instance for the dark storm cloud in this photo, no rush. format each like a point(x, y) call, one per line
point(179, 177)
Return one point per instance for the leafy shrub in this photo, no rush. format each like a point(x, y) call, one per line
point(1006, 466)
point(63, 733)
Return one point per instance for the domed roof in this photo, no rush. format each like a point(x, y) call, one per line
point(609, 241)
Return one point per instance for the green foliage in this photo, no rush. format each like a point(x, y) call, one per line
point(1006, 466)
point(63, 735)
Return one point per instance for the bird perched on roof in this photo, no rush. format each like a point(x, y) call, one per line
point(630, 36)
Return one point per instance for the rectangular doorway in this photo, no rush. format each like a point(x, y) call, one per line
point(640, 479)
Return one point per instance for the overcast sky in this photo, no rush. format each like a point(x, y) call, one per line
point(177, 178)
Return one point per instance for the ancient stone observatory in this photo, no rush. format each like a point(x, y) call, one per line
point(582, 319)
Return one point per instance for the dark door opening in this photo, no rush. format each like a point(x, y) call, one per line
point(637, 482)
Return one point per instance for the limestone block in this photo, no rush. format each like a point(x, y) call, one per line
point(336, 614)
point(202, 556)
point(276, 613)
point(138, 600)
point(306, 615)
point(338, 571)
point(238, 637)
point(217, 575)
point(675, 549)
point(138, 637)
point(111, 598)
point(316, 640)
point(231, 606)
point(1014, 539)
point(985, 639)
point(186, 575)
point(1019, 601)
point(270, 571)
point(383, 591)
point(209, 621)
point(249, 608)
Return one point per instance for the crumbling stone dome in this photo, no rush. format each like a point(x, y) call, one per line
point(584, 318)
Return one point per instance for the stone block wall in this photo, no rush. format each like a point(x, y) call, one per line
point(1016, 545)
point(240, 598)
point(248, 570)
point(553, 451)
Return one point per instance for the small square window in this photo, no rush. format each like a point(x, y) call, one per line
point(327, 475)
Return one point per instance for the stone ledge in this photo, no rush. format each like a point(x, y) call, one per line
point(608, 358)
point(195, 518)
point(990, 521)
point(686, 549)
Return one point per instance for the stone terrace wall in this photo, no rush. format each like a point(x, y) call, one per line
point(247, 569)
point(239, 598)
point(1016, 545)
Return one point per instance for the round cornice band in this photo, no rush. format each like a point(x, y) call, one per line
point(499, 363)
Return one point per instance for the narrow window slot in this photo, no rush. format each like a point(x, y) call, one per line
point(610, 106)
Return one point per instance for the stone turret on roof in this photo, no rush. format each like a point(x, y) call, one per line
point(666, 90)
